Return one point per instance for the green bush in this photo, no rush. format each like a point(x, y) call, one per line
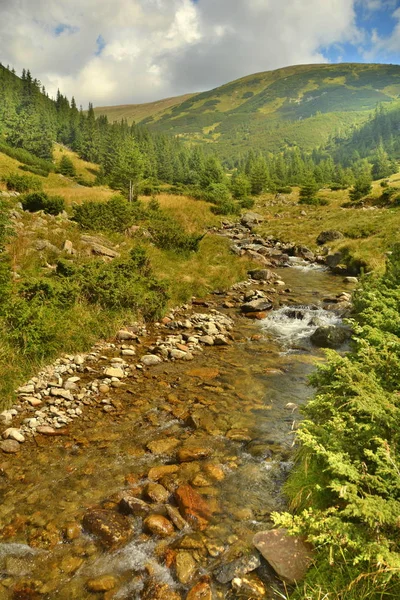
point(345, 489)
point(117, 214)
point(247, 203)
point(314, 201)
point(285, 189)
point(66, 166)
point(85, 182)
point(229, 207)
point(168, 234)
point(26, 157)
point(22, 183)
point(52, 205)
point(35, 170)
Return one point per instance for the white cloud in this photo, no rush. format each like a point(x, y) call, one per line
point(158, 48)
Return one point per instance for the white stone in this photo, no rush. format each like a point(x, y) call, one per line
point(151, 359)
point(14, 434)
point(114, 372)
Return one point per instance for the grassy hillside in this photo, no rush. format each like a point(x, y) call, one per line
point(135, 113)
point(301, 105)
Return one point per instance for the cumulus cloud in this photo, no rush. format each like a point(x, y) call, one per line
point(140, 50)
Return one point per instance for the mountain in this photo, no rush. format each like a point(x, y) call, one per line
point(301, 105)
point(136, 113)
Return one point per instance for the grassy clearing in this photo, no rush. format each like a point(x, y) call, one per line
point(83, 169)
point(369, 233)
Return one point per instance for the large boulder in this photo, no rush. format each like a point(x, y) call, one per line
point(330, 336)
point(329, 236)
point(262, 274)
point(289, 556)
point(251, 219)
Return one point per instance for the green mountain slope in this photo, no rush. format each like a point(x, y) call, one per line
point(135, 113)
point(301, 105)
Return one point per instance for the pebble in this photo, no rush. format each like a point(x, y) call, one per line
point(10, 446)
point(159, 525)
point(13, 434)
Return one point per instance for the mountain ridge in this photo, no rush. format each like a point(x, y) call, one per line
point(302, 105)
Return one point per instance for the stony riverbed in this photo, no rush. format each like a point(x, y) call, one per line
point(144, 468)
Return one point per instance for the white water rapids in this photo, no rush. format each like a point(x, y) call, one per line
point(294, 324)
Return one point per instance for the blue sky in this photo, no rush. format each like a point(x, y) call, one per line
point(374, 19)
point(129, 51)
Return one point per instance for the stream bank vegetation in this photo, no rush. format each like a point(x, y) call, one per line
point(345, 488)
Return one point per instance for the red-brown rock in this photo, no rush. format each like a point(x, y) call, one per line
point(201, 591)
point(290, 556)
point(193, 507)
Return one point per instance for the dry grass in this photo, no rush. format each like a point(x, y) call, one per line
point(83, 169)
point(194, 215)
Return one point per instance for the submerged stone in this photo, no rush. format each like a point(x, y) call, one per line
point(111, 529)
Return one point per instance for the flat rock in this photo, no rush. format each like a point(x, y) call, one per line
point(256, 306)
point(60, 393)
point(289, 556)
point(157, 493)
point(203, 373)
point(185, 567)
point(163, 446)
point(330, 336)
point(193, 507)
point(110, 528)
point(157, 473)
point(104, 583)
point(130, 505)
point(237, 568)
point(10, 446)
point(45, 430)
point(114, 372)
point(190, 453)
point(159, 525)
point(124, 334)
point(154, 590)
point(201, 591)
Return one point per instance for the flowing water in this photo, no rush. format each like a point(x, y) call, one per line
point(239, 401)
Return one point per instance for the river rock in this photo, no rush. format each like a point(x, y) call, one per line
point(350, 280)
point(157, 473)
point(10, 446)
point(204, 373)
point(112, 529)
point(191, 453)
point(157, 493)
point(164, 446)
point(261, 274)
point(193, 507)
point(45, 430)
point(256, 306)
point(201, 591)
point(159, 525)
point(101, 584)
point(176, 517)
point(214, 471)
point(329, 236)
point(158, 591)
point(124, 334)
point(289, 556)
point(185, 566)
point(330, 336)
point(249, 585)
point(60, 393)
point(150, 359)
point(13, 433)
point(130, 505)
point(27, 389)
point(251, 219)
point(114, 372)
point(237, 568)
